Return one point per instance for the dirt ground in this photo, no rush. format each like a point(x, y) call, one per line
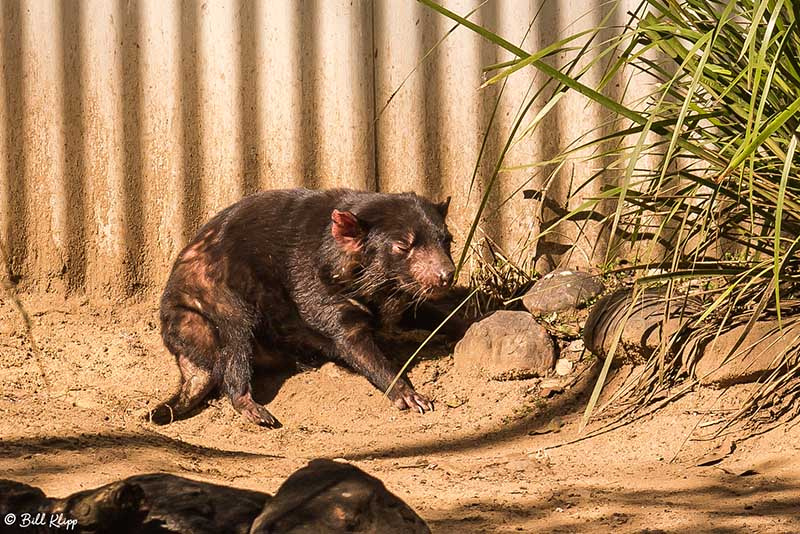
point(477, 464)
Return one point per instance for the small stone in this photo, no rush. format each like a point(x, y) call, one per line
point(562, 290)
point(507, 345)
point(563, 367)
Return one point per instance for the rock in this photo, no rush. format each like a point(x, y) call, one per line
point(562, 290)
point(328, 497)
point(645, 328)
point(507, 345)
point(760, 352)
point(563, 367)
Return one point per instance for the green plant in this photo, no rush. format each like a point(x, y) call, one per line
point(717, 208)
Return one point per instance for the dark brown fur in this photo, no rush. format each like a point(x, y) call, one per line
point(307, 271)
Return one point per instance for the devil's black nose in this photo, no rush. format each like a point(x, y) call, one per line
point(446, 277)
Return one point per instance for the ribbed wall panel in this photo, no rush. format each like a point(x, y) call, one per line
point(125, 124)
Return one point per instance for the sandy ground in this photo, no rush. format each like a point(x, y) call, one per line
point(477, 464)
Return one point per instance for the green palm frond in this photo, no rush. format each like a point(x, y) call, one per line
point(717, 209)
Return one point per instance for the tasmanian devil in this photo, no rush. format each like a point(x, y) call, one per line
point(303, 271)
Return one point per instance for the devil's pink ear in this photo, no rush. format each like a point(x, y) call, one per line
point(347, 230)
point(442, 207)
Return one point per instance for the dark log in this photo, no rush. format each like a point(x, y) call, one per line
point(325, 497)
point(17, 499)
point(112, 508)
point(144, 504)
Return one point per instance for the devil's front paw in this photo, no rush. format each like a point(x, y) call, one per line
point(404, 397)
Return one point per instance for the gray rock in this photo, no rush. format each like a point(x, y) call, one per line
point(507, 345)
point(760, 352)
point(562, 290)
point(646, 326)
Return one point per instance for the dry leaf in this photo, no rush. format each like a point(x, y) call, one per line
point(717, 454)
point(553, 426)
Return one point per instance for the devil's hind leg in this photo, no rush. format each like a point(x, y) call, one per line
point(236, 365)
point(235, 320)
point(192, 339)
point(196, 383)
point(213, 344)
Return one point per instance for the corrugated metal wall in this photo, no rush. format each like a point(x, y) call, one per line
point(125, 124)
